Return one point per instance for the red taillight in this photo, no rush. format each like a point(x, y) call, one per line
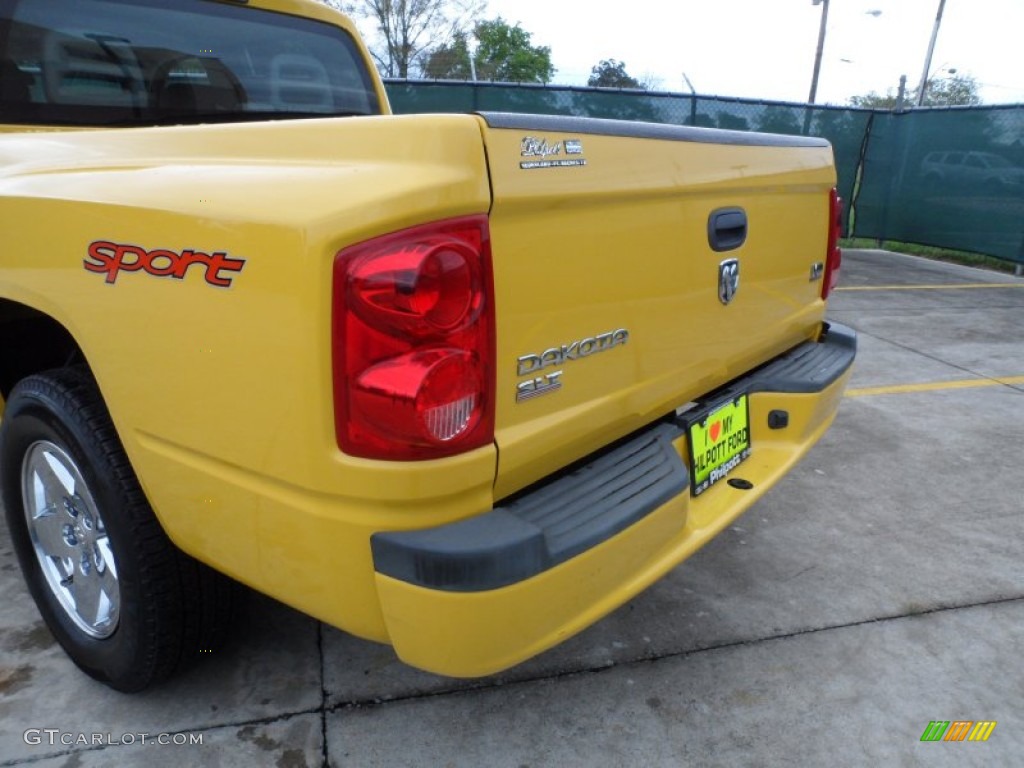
point(414, 342)
point(834, 255)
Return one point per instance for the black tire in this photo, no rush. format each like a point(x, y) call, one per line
point(155, 608)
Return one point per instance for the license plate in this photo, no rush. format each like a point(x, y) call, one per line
point(719, 441)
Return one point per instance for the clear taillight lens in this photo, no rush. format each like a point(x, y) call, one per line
point(414, 342)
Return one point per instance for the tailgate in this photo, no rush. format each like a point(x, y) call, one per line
point(613, 305)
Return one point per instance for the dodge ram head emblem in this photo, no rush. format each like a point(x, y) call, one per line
point(728, 280)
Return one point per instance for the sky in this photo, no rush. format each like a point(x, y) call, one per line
point(765, 48)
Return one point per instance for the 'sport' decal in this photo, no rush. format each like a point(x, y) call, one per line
point(114, 258)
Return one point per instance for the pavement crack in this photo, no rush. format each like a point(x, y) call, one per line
point(799, 573)
point(934, 358)
point(937, 609)
point(323, 695)
point(369, 704)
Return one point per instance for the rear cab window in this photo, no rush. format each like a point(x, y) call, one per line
point(151, 62)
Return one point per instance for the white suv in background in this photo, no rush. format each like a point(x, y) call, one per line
point(973, 169)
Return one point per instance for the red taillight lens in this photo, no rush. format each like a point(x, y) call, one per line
point(834, 255)
point(414, 342)
point(427, 287)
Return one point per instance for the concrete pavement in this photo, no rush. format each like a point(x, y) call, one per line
point(879, 587)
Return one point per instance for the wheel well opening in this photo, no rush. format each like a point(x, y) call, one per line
point(32, 342)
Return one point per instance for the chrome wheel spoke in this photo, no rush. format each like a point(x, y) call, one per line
point(106, 581)
point(85, 591)
point(109, 567)
point(49, 533)
point(54, 476)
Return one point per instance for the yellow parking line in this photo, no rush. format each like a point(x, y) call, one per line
point(899, 389)
point(954, 287)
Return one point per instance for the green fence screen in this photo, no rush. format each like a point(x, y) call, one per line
point(952, 178)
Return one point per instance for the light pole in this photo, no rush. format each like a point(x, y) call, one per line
point(471, 46)
point(928, 56)
point(693, 100)
point(821, 47)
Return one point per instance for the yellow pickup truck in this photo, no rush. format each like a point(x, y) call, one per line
point(462, 384)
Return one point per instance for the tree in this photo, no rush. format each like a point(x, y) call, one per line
point(405, 29)
point(874, 100)
point(650, 82)
point(449, 62)
point(955, 91)
point(616, 106)
point(611, 73)
point(504, 53)
point(779, 119)
point(732, 122)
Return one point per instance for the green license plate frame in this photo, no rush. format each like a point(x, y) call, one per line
point(719, 441)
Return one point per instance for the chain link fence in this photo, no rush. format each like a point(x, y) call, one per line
point(952, 178)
